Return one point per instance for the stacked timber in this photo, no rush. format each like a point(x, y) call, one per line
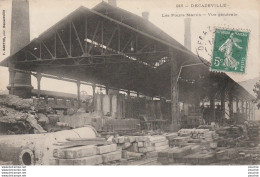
point(230, 136)
point(137, 147)
point(177, 154)
point(81, 151)
point(185, 137)
point(253, 132)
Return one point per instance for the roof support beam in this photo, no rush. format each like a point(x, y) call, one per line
point(47, 49)
point(143, 33)
point(112, 36)
point(94, 36)
point(119, 33)
point(62, 43)
point(86, 34)
point(37, 58)
point(40, 50)
point(70, 40)
point(76, 32)
point(55, 43)
point(127, 43)
point(102, 37)
point(144, 47)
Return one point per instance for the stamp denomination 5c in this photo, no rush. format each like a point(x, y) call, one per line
point(229, 51)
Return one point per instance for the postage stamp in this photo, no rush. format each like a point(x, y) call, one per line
point(230, 51)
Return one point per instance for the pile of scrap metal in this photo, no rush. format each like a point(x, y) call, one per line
point(17, 116)
point(24, 116)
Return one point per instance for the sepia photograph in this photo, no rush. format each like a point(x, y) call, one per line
point(129, 83)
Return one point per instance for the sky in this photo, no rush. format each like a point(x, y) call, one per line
point(45, 13)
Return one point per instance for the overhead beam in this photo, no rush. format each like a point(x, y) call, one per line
point(86, 34)
point(143, 33)
point(144, 47)
point(70, 40)
point(64, 47)
point(76, 32)
point(94, 36)
point(27, 51)
point(92, 56)
point(110, 40)
point(47, 49)
point(55, 45)
point(127, 43)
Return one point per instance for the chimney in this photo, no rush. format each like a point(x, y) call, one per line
point(187, 34)
point(145, 15)
point(112, 3)
point(19, 83)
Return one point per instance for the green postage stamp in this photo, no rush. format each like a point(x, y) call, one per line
point(230, 51)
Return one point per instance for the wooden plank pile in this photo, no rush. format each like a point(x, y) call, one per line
point(189, 146)
point(253, 132)
point(81, 151)
point(224, 154)
point(177, 154)
point(185, 137)
point(137, 147)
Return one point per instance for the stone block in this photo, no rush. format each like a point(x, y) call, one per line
point(133, 148)
point(142, 138)
point(75, 152)
point(126, 145)
point(152, 154)
point(121, 139)
point(140, 144)
point(160, 148)
point(106, 149)
point(179, 152)
point(112, 156)
point(53, 161)
point(146, 149)
point(92, 160)
point(162, 143)
point(156, 139)
point(66, 162)
point(131, 139)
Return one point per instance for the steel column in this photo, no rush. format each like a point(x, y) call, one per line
point(174, 92)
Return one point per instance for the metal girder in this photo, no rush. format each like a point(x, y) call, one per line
point(143, 33)
point(127, 43)
point(110, 40)
point(70, 39)
point(64, 47)
point(27, 51)
point(144, 47)
point(78, 39)
point(55, 45)
point(47, 49)
point(94, 36)
point(92, 56)
point(119, 33)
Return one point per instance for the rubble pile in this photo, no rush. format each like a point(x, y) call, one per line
point(25, 116)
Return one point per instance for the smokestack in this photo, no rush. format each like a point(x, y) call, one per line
point(145, 15)
point(187, 34)
point(112, 3)
point(20, 84)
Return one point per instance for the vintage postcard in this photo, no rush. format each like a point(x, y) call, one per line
point(120, 82)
